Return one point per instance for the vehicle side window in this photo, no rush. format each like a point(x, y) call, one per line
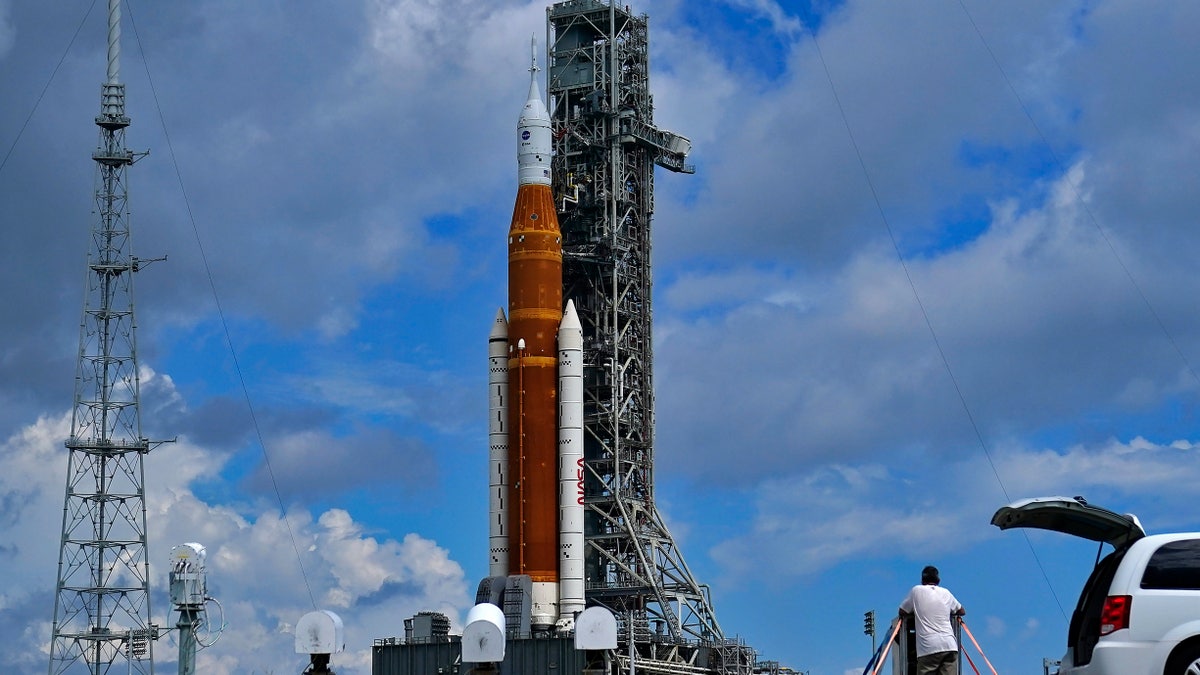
point(1175, 565)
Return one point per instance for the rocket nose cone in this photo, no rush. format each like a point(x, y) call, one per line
point(570, 318)
point(499, 325)
point(570, 331)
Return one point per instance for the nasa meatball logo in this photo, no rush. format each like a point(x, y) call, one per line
point(525, 135)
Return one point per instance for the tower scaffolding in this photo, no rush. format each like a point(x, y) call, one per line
point(102, 600)
point(606, 146)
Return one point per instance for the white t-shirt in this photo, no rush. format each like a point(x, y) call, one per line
point(932, 606)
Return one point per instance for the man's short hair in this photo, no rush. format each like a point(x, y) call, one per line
point(929, 575)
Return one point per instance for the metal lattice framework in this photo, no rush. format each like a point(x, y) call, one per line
point(102, 605)
point(606, 146)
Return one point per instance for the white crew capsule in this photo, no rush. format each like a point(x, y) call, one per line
point(533, 133)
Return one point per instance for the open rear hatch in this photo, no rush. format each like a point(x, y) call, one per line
point(1072, 516)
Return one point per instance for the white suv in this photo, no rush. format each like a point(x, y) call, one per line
point(1139, 612)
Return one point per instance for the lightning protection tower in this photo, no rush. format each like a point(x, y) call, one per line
point(102, 606)
point(606, 146)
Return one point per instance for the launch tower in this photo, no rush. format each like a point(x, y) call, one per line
point(102, 603)
point(582, 266)
point(606, 146)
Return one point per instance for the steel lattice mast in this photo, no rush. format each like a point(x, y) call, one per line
point(102, 605)
point(606, 146)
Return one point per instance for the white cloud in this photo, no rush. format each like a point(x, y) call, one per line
point(32, 482)
point(8, 32)
point(781, 21)
point(817, 520)
point(788, 335)
point(1028, 316)
point(255, 571)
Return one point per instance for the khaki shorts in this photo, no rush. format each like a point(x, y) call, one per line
point(938, 663)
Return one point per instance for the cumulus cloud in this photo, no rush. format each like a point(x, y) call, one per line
point(817, 520)
point(847, 365)
point(265, 570)
point(350, 190)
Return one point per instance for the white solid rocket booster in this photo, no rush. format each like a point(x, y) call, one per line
point(498, 447)
point(570, 465)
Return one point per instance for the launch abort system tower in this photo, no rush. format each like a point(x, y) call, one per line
point(606, 147)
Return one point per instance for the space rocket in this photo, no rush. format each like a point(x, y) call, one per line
point(535, 364)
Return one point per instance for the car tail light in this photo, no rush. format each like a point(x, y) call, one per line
point(1115, 614)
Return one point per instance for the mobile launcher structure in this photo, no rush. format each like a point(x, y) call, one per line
point(572, 519)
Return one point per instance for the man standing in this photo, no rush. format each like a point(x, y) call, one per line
point(932, 608)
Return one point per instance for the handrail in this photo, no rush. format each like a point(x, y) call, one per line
point(973, 641)
point(880, 655)
point(874, 658)
point(886, 647)
point(969, 661)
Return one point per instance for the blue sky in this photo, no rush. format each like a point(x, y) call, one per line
point(349, 175)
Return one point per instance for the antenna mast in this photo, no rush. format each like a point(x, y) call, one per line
point(102, 603)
